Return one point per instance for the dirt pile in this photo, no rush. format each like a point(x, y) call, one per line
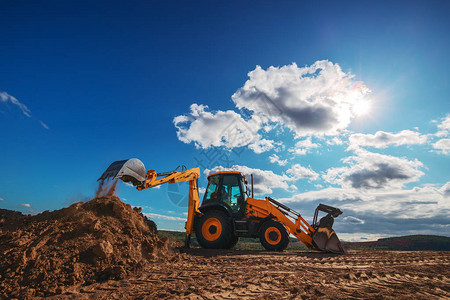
point(85, 243)
point(6, 214)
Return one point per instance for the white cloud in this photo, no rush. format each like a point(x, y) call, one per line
point(163, 217)
point(418, 202)
point(324, 194)
point(314, 100)
point(335, 141)
point(369, 170)
point(304, 146)
point(222, 128)
point(383, 139)
point(1, 199)
point(444, 127)
point(260, 146)
point(25, 205)
point(445, 190)
point(353, 220)
point(5, 98)
point(361, 236)
point(443, 146)
point(44, 125)
point(201, 190)
point(264, 181)
point(276, 159)
point(299, 172)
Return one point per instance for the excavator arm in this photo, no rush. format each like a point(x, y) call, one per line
point(175, 176)
point(318, 236)
point(133, 170)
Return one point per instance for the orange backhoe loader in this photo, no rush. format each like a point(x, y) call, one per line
point(230, 211)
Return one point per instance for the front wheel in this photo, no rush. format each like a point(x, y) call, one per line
point(234, 240)
point(214, 230)
point(273, 236)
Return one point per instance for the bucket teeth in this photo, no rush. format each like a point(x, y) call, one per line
point(113, 169)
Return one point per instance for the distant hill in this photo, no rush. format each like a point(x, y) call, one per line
point(402, 243)
point(405, 243)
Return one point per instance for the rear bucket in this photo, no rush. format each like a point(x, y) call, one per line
point(325, 239)
point(130, 170)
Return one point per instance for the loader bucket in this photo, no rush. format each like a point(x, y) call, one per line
point(325, 239)
point(130, 170)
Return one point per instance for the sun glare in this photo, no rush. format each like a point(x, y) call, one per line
point(361, 108)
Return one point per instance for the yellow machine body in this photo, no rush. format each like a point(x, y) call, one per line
point(218, 223)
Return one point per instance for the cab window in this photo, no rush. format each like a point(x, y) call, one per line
point(231, 192)
point(212, 190)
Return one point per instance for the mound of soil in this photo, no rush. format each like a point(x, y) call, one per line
point(85, 243)
point(6, 214)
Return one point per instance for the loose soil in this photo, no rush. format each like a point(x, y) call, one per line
point(90, 242)
point(240, 274)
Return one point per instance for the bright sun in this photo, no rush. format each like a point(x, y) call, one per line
point(361, 108)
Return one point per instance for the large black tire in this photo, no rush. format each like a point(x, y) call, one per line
point(273, 236)
point(214, 230)
point(234, 240)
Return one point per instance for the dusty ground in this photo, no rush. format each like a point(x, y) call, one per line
point(228, 274)
point(105, 249)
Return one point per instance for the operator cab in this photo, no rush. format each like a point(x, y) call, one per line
point(226, 189)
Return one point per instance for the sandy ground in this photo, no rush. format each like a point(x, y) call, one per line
point(233, 274)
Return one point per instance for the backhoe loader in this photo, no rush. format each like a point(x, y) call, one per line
point(230, 211)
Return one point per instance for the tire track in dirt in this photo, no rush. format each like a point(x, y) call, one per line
point(226, 274)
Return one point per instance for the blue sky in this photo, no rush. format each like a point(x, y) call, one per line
point(344, 103)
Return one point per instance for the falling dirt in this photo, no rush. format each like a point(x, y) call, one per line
point(85, 243)
point(107, 187)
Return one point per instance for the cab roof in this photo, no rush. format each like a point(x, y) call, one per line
point(226, 172)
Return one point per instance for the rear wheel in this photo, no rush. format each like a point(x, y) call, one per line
point(273, 236)
point(234, 240)
point(214, 231)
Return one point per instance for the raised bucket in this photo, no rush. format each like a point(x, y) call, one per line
point(129, 170)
